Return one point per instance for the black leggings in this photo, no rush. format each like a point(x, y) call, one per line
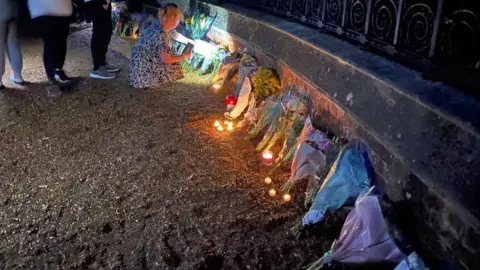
point(102, 31)
point(54, 32)
point(79, 14)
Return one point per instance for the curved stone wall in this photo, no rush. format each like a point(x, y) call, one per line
point(423, 136)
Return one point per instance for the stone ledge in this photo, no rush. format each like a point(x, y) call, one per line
point(431, 128)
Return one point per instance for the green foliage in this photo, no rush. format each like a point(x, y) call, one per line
point(198, 25)
point(265, 84)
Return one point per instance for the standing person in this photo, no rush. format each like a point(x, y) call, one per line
point(79, 14)
point(100, 12)
point(53, 20)
point(9, 44)
point(153, 62)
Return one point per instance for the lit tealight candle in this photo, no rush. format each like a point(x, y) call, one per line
point(272, 192)
point(220, 128)
point(216, 86)
point(230, 127)
point(267, 158)
point(268, 180)
point(287, 198)
point(217, 123)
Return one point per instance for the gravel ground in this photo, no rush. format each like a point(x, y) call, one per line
point(110, 177)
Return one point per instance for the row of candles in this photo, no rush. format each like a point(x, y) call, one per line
point(267, 158)
point(273, 192)
point(220, 127)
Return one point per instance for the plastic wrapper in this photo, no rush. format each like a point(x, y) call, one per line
point(251, 115)
point(412, 262)
point(364, 238)
point(281, 133)
point(348, 177)
point(247, 65)
point(271, 131)
point(199, 24)
point(305, 164)
point(294, 133)
point(271, 112)
point(226, 72)
point(242, 101)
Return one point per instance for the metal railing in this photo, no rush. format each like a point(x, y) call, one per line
point(421, 32)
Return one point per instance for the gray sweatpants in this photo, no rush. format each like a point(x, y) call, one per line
point(10, 46)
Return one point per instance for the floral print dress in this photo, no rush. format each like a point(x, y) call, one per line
point(146, 66)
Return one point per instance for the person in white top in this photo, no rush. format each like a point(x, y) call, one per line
point(53, 20)
point(100, 12)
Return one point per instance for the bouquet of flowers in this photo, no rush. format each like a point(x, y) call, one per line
point(305, 164)
point(364, 238)
point(271, 132)
point(271, 112)
point(348, 177)
point(265, 83)
point(199, 24)
point(295, 134)
point(248, 64)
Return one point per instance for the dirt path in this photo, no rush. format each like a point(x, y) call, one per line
point(119, 178)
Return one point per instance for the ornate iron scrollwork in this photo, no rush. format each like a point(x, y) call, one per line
point(459, 40)
point(416, 30)
point(314, 12)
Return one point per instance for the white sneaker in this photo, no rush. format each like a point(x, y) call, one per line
point(17, 81)
point(102, 73)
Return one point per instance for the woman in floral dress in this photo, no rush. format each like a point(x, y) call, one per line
point(153, 62)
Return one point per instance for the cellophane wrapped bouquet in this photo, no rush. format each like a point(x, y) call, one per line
point(272, 110)
point(364, 238)
point(199, 24)
point(247, 66)
point(265, 83)
point(348, 177)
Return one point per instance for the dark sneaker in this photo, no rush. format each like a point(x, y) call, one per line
point(53, 90)
point(102, 73)
point(111, 69)
point(2, 86)
point(61, 76)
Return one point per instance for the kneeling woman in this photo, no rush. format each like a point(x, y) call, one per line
point(153, 62)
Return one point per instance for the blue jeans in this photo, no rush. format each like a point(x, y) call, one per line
point(10, 46)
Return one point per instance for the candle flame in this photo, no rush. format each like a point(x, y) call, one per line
point(267, 155)
point(272, 192)
point(216, 86)
point(287, 198)
point(268, 180)
point(217, 123)
point(220, 128)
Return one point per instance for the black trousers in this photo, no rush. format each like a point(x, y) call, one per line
point(54, 32)
point(102, 31)
point(79, 14)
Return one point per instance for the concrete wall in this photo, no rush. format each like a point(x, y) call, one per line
point(423, 136)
